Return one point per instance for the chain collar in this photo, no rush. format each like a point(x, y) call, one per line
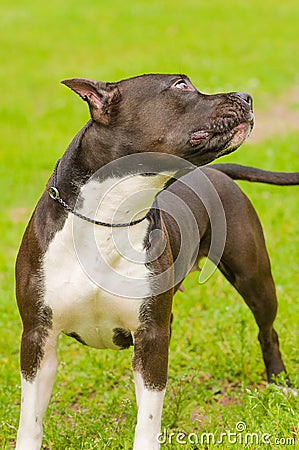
point(55, 195)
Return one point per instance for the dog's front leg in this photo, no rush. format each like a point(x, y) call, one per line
point(38, 369)
point(150, 403)
point(150, 364)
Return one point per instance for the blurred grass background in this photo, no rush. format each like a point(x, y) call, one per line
point(215, 362)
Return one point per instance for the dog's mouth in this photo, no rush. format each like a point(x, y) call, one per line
point(238, 133)
point(219, 141)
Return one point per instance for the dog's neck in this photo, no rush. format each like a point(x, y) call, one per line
point(121, 199)
point(109, 196)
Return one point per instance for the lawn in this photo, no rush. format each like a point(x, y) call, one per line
point(216, 376)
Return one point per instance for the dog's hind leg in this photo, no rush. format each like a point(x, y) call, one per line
point(38, 370)
point(258, 291)
point(245, 263)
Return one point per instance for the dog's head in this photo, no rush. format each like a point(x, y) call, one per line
point(167, 114)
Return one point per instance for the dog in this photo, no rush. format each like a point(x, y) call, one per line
point(124, 217)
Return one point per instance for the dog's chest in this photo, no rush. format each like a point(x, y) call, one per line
point(95, 278)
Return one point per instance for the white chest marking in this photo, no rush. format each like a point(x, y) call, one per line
point(95, 277)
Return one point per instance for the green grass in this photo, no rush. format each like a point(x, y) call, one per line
point(216, 376)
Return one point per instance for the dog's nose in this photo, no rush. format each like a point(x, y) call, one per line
point(245, 97)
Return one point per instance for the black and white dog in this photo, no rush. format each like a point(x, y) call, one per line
point(105, 250)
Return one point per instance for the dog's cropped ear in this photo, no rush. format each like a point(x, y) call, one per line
point(101, 97)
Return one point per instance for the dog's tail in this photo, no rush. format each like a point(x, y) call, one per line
point(247, 173)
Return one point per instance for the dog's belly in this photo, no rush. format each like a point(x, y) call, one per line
point(92, 309)
point(97, 321)
point(94, 318)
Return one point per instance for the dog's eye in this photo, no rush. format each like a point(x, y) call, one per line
point(181, 84)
